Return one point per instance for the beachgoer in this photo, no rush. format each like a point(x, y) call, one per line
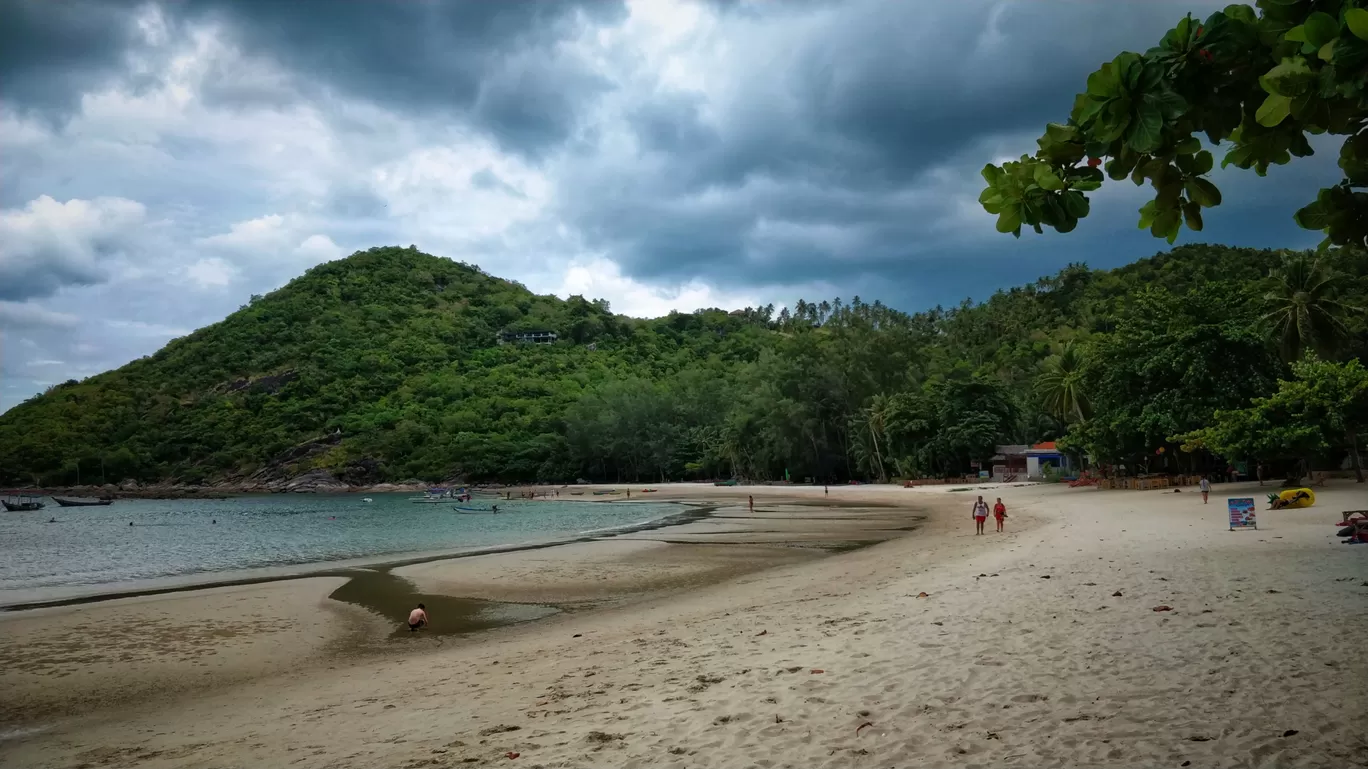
point(1205, 486)
point(1232, 473)
point(1261, 470)
point(980, 515)
point(629, 493)
point(751, 501)
point(52, 520)
point(418, 618)
point(494, 508)
point(826, 491)
point(214, 521)
point(999, 512)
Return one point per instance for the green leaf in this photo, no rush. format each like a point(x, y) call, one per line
point(1076, 204)
point(1312, 217)
point(1055, 210)
point(1192, 216)
point(1147, 214)
point(1274, 110)
point(1145, 134)
point(1238, 156)
point(1151, 76)
point(1010, 220)
point(1290, 77)
point(1320, 28)
point(991, 174)
point(1104, 83)
point(1203, 192)
point(1166, 224)
point(1357, 19)
point(1170, 104)
point(1188, 146)
point(1202, 162)
point(1327, 51)
point(1297, 34)
point(1045, 178)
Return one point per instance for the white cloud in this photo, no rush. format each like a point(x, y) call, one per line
point(318, 249)
point(599, 278)
point(29, 315)
point(210, 272)
point(48, 244)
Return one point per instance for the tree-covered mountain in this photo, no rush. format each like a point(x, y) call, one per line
point(389, 365)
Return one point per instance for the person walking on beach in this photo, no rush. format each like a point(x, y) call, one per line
point(1261, 470)
point(1205, 486)
point(1000, 513)
point(418, 618)
point(750, 501)
point(980, 515)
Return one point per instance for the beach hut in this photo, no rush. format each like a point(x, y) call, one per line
point(1043, 455)
point(1009, 463)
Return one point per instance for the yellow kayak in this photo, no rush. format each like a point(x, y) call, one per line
point(1291, 499)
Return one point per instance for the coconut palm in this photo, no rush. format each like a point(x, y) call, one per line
point(1302, 307)
point(876, 417)
point(1060, 385)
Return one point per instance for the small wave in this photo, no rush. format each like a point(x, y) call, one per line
point(21, 732)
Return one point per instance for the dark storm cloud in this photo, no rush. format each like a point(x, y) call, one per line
point(50, 52)
point(496, 62)
point(827, 157)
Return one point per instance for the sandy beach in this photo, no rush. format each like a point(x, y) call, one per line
point(797, 636)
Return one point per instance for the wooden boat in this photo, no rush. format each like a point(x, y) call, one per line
point(69, 502)
point(436, 496)
point(21, 503)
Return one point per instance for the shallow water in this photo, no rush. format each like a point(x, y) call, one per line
point(90, 549)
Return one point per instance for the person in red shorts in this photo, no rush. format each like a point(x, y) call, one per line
point(980, 515)
point(999, 512)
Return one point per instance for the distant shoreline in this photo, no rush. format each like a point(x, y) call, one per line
point(229, 490)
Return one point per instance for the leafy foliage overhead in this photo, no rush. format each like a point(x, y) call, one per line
point(1258, 80)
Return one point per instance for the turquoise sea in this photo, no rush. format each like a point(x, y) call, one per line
point(91, 550)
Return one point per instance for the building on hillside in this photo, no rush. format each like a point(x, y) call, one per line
point(1043, 455)
point(528, 337)
point(1009, 463)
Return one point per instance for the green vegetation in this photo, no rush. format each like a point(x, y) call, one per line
point(1261, 80)
point(1323, 406)
point(384, 366)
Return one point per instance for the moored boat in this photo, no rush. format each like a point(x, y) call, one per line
point(21, 503)
point(71, 502)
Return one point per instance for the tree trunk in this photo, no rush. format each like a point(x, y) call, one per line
point(1354, 452)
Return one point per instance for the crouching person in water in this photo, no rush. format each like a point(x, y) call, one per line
point(418, 618)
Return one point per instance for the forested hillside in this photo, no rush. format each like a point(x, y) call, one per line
point(385, 366)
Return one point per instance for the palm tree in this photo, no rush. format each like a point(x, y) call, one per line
point(876, 417)
point(1060, 385)
point(1302, 306)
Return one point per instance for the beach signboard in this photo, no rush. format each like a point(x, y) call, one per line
point(1241, 513)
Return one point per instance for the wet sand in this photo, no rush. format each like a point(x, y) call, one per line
point(96, 654)
point(62, 661)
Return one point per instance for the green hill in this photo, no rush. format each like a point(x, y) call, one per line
point(388, 365)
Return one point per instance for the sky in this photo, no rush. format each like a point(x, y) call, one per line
point(162, 162)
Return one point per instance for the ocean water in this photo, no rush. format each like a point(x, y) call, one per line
point(94, 549)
